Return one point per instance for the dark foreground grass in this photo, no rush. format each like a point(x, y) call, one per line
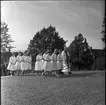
point(81, 88)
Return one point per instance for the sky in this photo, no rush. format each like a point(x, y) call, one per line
point(25, 18)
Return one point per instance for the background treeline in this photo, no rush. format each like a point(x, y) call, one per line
point(82, 56)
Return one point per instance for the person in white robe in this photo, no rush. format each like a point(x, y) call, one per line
point(44, 60)
point(47, 68)
point(18, 63)
point(11, 65)
point(23, 64)
point(54, 62)
point(65, 55)
point(59, 62)
point(38, 63)
point(26, 63)
point(29, 63)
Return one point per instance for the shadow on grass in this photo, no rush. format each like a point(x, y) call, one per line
point(76, 75)
point(73, 75)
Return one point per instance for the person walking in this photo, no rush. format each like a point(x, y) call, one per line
point(18, 63)
point(44, 60)
point(47, 68)
point(66, 64)
point(29, 63)
point(38, 63)
point(59, 62)
point(54, 63)
point(23, 64)
point(11, 65)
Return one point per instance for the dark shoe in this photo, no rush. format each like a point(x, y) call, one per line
point(69, 73)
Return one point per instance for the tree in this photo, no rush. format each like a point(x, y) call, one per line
point(88, 58)
point(103, 31)
point(47, 38)
point(80, 52)
point(5, 38)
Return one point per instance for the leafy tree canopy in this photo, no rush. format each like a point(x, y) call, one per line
point(103, 31)
point(80, 51)
point(47, 38)
point(5, 38)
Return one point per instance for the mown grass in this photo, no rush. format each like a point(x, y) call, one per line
point(81, 88)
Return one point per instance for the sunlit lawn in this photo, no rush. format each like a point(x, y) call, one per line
point(81, 88)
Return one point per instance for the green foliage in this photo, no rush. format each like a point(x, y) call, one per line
point(5, 57)
point(5, 38)
point(88, 58)
point(80, 52)
point(47, 38)
point(103, 31)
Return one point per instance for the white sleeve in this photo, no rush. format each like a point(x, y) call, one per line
point(17, 58)
point(14, 60)
point(63, 56)
point(37, 58)
point(10, 60)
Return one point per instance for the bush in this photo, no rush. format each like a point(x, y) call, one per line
point(5, 57)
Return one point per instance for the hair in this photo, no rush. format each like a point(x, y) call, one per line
point(25, 52)
point(60, 51)
point(22, 53)
point(65, 47)
point(50, 52)
point(30, 54)
point(13, 53)
point(47, 51)
point(55, 50)
point(44, 51)
point(40, 53)
point(19, 53)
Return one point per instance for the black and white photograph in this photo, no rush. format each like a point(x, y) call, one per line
point(53, 52)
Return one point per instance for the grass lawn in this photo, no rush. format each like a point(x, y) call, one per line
point(81, 88)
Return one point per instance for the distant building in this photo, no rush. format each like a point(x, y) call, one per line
point(98, 52)
point(99, 62)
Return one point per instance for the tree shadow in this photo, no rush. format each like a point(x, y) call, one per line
point(77, 75)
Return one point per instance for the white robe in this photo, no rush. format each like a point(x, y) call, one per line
point(59, 62)
point(65, 65)
point(43, 61)
point(48, 63)
point(12, 63)
point(18, 62)
point(53, 62)
point(23, 63)
point(38, 63)
point(29, 63)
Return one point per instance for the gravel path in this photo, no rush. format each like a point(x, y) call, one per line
point(82, 88)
